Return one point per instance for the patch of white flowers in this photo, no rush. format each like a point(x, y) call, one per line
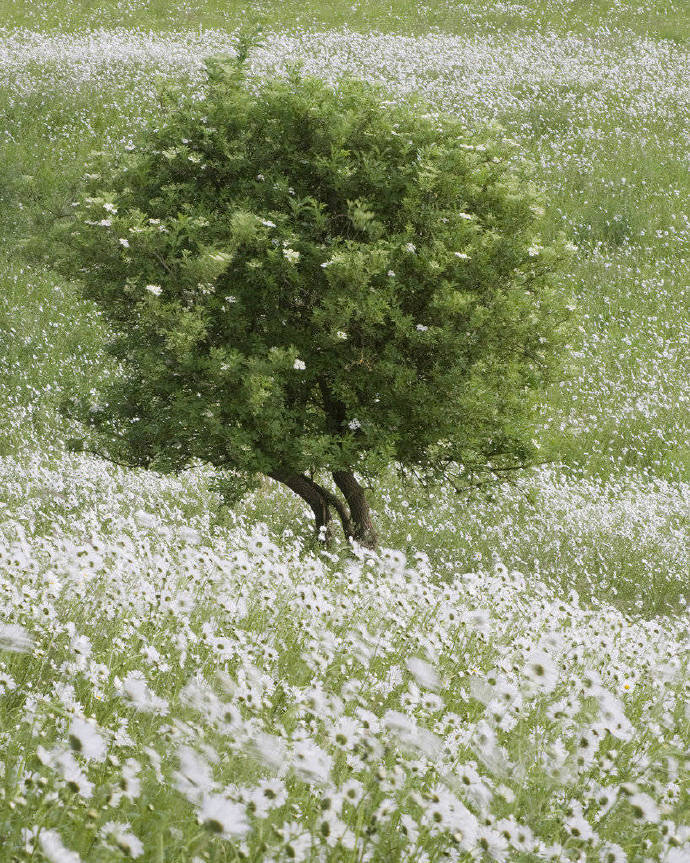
point(383, 708)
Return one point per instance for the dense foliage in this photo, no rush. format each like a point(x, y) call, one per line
point(304, 278)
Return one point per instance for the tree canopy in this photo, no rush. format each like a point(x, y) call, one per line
point(305, 279)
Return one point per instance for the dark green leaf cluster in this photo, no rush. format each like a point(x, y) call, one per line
point(302, 276)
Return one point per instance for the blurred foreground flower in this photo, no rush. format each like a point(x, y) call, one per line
point(54, 850)
point(15, 638)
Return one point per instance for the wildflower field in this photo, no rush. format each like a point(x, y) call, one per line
point(507, 677)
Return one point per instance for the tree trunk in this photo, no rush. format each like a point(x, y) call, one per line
point(354, 517)
point(364, 531)
point(359, 526)
point(312, 494)
point(340, 508)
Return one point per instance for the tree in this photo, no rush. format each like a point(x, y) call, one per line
point(303, 280)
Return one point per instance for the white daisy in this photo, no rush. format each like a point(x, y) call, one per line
point(424, 673)
point(541, 670)
point(353, 791)
point(223, 816)
point(612, 853)
point(644, 808)
point(84, 737)
point(123, 837)
point(135, 689)
point(310, 762)
point(51, 845)
point(15, 639)
point(492, 843)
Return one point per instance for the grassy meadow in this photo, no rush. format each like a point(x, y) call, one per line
point(507, 678)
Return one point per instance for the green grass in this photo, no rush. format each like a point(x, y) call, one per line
point(659, 19)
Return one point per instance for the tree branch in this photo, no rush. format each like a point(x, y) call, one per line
point(109, 458)
point(162, 262)
point(494, 471)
